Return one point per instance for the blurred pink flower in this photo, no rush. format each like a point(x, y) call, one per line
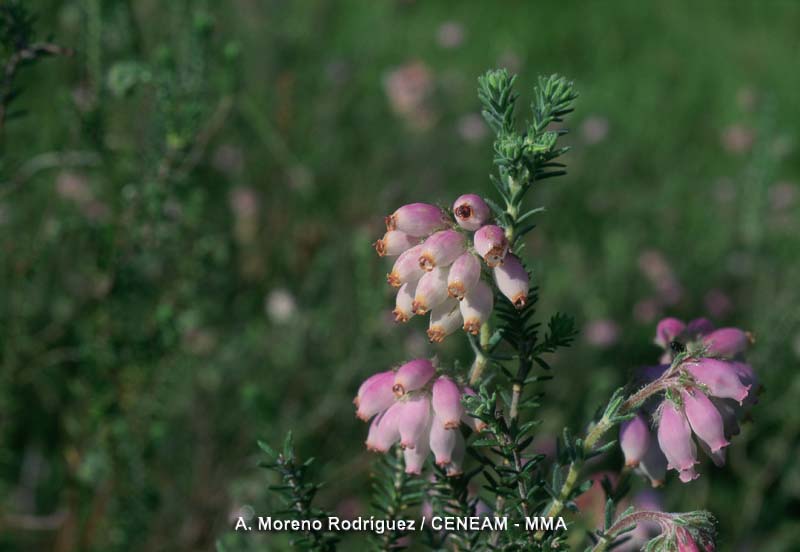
point(409, 89)
point(717, 303)
point(244, 202)
point(349, 507)
point(602, 332)
point(657, 269)
point(73, 187)
point(450, 34)
point(510, 60)
point(738, 138)
point(782, 195)
point(594, 129)
point(472, 128)
point(646, 310)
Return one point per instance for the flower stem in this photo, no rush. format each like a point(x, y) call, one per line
point(608, 536)
point(481, 360)
point(596, 432)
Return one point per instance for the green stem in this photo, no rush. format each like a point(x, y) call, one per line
point(608, 536)
point(481, 360)
point(596, 433)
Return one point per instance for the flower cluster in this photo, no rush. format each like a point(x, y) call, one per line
point(708, 386)
point(422, 412)
point(438, 267)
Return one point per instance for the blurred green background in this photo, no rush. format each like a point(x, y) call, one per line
point(187, 207)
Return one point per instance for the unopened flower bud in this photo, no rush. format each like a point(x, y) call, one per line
point(719, 377)
point(443, 441)
point(704, 418)
point(675, 440)
point(394, 242)
point(431, 291)
point(685, 541)
point(512, 280)
point(372, 396)
point(412, 375)
point(634, 439)
point(415, 457)
point(726, 342)
point(441, 249)
point(471, 211)
point(668, 330)
point(445, 319)
point(477, 425)
point(417, 219)
point(477, 307)
point(406, 267)
point(491, 244)
point(403, 303)
point(383, 431)
point(464, 274)
point(446, 401)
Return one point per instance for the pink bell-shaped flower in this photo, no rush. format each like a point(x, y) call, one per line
point(675, 440)
point(491, 244)
point(634, 439)
point(443, 442)
point(375, 395)
point(413, 420)
point(412, 375)
point(394, 242)
point(471, 211)
point(512, 280)
point(445, 320)
point(431, 291)
point(463, 276)
point(477, 307)
point(446, 401)
point(441, 249)
point(417, 219)
point(404, 302)
point(383, 432)
point(704, 418)
point(668, 330)
point(726, 342)
point(719, 377)
point(406, 268)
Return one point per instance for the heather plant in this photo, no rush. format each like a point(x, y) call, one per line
point(465, 267)
point(188, 194)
